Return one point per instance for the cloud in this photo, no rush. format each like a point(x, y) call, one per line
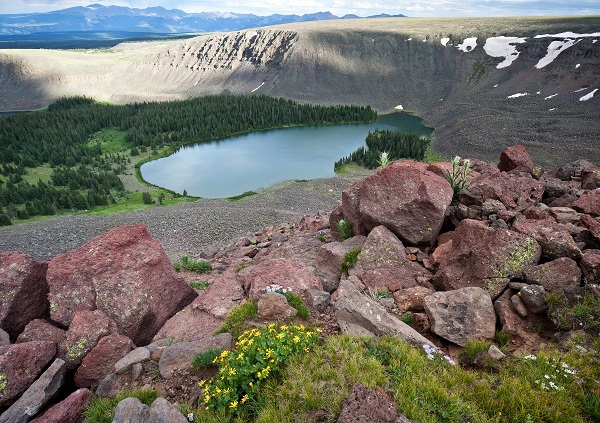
point(425, 8)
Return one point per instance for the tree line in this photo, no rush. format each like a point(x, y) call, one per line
point(398, 145)
point(84, 176)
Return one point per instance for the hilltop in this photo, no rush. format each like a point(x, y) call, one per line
point(482, 83)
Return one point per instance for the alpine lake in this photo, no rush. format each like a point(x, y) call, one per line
point(232, 166)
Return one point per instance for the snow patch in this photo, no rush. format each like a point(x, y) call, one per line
point(552, 109)
point(468, 44)
point(409, 39)
point(445, 41)
point(554, 49)
point(517, 95)
point(399, 107)
point(550, 96)
point(251, 34)
point(588, 95)
point(594, 41)
point(503, 47)
point(580, 90)
point(495, 85)
point(577, 65)
point(568, 35)
point(539, 92)
point(258, 87)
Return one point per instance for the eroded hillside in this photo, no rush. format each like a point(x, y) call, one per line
point(482, 83)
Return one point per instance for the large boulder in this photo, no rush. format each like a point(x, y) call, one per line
point(224, 293)
point(382, 264)
point(126, 274)
point(68, 410)
point(286, 273)
point(360, 315)
point(189, 324)
point(100, 361)
point(510, 189)
point(23, 291)
point(330, 258)
point(592, 224)
point(20, 365)
point(588, 203)
point(87, 327)
point(484, 257)
point(515, 158)
point(41, 330)
point(37, 395)
point(179, 356)
point(461, 315)
point(131, 410)
point(555, 275)
point(554, 238)
point(590, 266)
point(406, 198)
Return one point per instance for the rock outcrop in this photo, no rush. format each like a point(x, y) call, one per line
point(126, 274)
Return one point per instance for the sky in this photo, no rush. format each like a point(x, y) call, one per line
point(416, 8)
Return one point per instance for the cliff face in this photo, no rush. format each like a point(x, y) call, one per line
point(479, 88)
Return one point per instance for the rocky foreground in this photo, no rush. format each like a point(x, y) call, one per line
point(113, 312)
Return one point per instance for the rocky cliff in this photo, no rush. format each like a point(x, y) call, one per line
point(482, 83)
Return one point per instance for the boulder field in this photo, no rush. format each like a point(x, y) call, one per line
point(104, 315)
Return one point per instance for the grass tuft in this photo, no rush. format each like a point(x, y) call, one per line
point(102, 410)
point(350, 260)
point(205, 359)
point(186, 263)
point(236, 317)
point(474, 347)
point(344, 229)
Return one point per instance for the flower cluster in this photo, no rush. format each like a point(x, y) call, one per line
point(436, 353)
point(553, 373)
point(259, 353)
point(277, 288)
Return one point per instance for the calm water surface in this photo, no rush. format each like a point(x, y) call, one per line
point(229, 167)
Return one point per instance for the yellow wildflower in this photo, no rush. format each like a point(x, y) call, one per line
point(240, 356)
point(244, 399)
point(280, 336)
point(234, 404)
point(224, 354)
point(201, 383)
point(206, 398)
point(232, 371)
point(296, 338)
point(284, 327)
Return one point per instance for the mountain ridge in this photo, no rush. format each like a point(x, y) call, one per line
point(96, 17)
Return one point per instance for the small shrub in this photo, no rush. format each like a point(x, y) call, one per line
point(344, 229)
point(259, 354)
point(407, 318)
point(458, 175)
point(297, 302)
point(350, 260)
point(200, 285)
point(102, 409)
point(502, 338)
point(474, 347)
point(234, 323)
point(377, 295)
point(204, 360)
point(146, 197)
point(186, 263)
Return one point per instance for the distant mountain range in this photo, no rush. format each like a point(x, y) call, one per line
point(113, 19)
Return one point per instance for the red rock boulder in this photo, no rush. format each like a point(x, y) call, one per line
point(20, 365)
point(100, 361)
point(124, 273)
point(484, 257)
point(516, 158)
point(68, 410)
point(87, 328)
point(554, 238)
point(23, 291)
point(590, 266)
point(555, 275)
point(588, 203)
point(407, 199)
point(287, 273)
point(510, 189)
point(41, 330)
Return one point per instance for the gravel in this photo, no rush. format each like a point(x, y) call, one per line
point(189, 227)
